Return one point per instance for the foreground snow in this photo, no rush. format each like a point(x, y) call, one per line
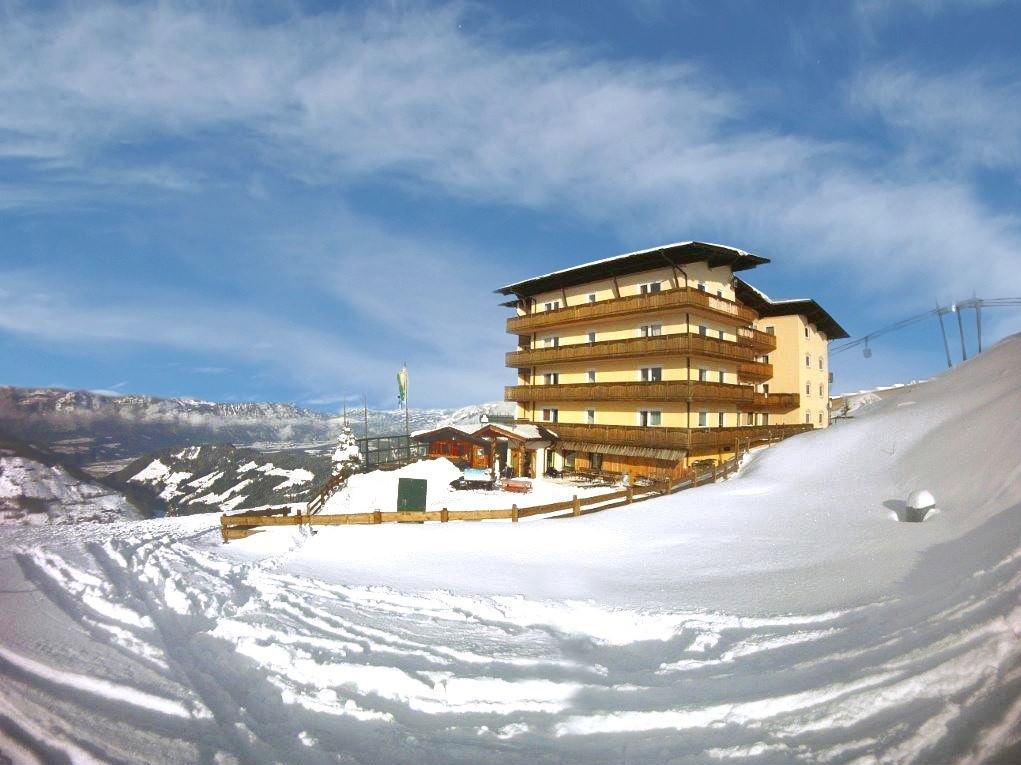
point(782, 616)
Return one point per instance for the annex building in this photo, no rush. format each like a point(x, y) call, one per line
point(646, 362)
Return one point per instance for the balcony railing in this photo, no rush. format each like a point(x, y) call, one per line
point(671, 438)
point(756, 371)
point(662, 345)
point(752, 338)
point(744, 396)
point(632, 305)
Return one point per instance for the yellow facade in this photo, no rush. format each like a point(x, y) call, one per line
point(800, 365)
point(648, 367)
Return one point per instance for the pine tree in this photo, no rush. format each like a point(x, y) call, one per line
point(347, 459)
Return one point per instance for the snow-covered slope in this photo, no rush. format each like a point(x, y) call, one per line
point(36, 487)
point(222, 478)
point(782, 616)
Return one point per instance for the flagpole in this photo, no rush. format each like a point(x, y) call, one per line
point(407, 417)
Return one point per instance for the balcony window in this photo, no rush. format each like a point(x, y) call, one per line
point(646, 289)
point(721, 335)
point(550, 415)
point(650, 418)
point(590, 376)
point(652, 374)
point(592, 297)
point(749, 418)
point(652, 330)
point(721, 419)
point(703, 375)
point(703, 419)
point(702, 330)
point(770, 330)
point(552, 378)
point(552, 305)
point(765, 388)
point(722, 376)
point(701, 286)
point(551, 342)
point(591, 337)
point(590, 416)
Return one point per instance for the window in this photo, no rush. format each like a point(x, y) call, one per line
point(590, 376)
point(650, 417)
point(591, 337)
point(652, 330)
point(703, 375)
point(550, 415)
point(592, 297)
point(808, 417)
point(595, 460)
point(701, 286)
point(765, 388)
point(645, 289)
point(749, 418)
point(722, 376)
point(721, 420)
point(702, 330)
point(765, 418)
point(551, 342)
point(808, 389)
point(552, 378)
point(703, 419)
point(552, 305)
point(721, 335)
point(820, 418)
point(719, 293)
point(821, 389)
point(820, 362)
point(806, 331)
point(770, 330)
point(590, 416)
point(652, 374)
point(808, 360)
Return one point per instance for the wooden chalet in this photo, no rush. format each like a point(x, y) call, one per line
point(461, 448)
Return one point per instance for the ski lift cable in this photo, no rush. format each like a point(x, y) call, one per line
point(977, 303)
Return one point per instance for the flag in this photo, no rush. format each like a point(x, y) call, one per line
point(402, 387)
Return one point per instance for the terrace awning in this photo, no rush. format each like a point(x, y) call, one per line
point(671, 455)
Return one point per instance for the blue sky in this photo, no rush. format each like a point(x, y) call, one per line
point(287, 201)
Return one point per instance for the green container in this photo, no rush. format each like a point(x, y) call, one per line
point(411, 493)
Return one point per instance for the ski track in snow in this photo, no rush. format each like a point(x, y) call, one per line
point(277, 667)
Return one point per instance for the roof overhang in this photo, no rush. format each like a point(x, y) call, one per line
point(620, 450)
point(678, 255)
point(811, 310)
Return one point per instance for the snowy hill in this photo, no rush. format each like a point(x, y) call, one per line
point(38, 487)
point(221, 478)
point(783, 616)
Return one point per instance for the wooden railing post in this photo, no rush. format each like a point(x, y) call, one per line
point(377, 516)
point(514, 513)
point(630, 494)
point(576, 505)
point(444, 515)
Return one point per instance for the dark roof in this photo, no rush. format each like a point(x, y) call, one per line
point(812, 311)
point(449, 434)
point(678, 254)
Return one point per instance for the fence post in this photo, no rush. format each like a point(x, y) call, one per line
point(630, 494)
point(714, 472)
point(377, 516)
point(514, 513)
point(576, 505)
point(444, 515)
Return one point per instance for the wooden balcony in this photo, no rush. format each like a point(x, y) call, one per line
point(671, 438)
point(754, 371)
point(744, 396)
point(692, 344)
point(635, 305)
point(752, 338)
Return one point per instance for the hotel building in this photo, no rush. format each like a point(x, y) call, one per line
point(646, 362)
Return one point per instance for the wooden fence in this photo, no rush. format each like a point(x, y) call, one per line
point(241, 525)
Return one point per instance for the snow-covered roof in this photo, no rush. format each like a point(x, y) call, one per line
point(811, 310)
point(678, 253)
